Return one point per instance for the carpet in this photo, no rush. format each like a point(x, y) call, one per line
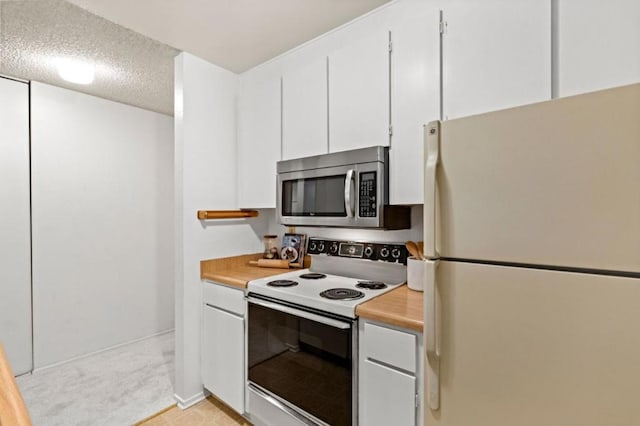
point(117, 387)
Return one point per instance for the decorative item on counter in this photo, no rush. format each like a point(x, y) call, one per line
point(293, 249)
point(271, 249)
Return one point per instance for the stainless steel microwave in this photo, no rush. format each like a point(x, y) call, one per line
point(342, 189)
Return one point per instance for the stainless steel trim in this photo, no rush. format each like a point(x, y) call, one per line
point(375, 154)
point(283, 407)
point(349, 186)
point(302, 314)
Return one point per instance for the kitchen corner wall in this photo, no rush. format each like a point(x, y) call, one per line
point(205, 179)
point(102, 215)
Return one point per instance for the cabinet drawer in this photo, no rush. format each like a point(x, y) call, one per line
point(226, 298)
point(390, 346)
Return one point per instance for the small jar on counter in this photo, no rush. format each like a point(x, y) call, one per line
point(271, 248)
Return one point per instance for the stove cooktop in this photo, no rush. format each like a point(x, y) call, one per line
point(308, 291)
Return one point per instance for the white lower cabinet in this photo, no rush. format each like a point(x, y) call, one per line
point(223, 344)
point(390, 396)
point(390, 382)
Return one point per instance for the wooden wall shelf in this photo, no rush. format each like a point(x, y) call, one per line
point(226, 214)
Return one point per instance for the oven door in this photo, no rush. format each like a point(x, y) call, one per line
point(301, 362)
point(330, 196)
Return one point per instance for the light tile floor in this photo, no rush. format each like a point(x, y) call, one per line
point(207, 412)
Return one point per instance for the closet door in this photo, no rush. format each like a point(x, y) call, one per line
point(15, 226)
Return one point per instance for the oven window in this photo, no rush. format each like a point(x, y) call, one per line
point(303, 362)
point(322, 196)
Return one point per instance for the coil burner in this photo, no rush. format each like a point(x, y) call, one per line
point(282, 283)
point(313, 276)
point(342, 294)
point(371, 285)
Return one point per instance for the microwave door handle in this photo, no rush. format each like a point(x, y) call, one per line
point(348, 193)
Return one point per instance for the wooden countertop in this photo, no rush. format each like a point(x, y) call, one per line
point(12, 408)
point(235, 270)
point(402, 307)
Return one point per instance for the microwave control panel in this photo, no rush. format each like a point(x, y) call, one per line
point(384, 252)
point(367, 205)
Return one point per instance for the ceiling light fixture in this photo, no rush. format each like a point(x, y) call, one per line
point(75, 71)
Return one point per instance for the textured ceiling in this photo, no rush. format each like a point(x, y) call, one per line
point(235, 34)
point(134, 65)
point(130, 67)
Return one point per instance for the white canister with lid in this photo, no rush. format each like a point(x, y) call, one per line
point(415, 274)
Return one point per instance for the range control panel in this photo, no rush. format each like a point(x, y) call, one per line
point(385, 252)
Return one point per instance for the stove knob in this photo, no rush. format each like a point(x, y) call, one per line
point(312, 246)
point(384, 252)
point(368, 252)
point(395, 253)
point(321, 247)
point(333, 249)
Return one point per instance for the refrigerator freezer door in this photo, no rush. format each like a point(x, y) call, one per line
point(554, 183)
point(531, 347)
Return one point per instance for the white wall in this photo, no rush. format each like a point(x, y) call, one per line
point(102, 176)
point(205, 179)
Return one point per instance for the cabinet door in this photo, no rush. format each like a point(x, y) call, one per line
point(415, 95)
point(223, 356)
point(359, 93)
point(496, 54)
point(598, 44)
point(15, 225)
point(304, 111)
point(259, 143)
point(389, 396)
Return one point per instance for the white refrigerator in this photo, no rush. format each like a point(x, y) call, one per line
point(532, 283)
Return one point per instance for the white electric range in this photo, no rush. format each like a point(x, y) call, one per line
point(302, 324)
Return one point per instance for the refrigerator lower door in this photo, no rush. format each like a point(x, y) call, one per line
point(534, 347)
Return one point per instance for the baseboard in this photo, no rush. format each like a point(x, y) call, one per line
point(46, 367)
point(186, 403)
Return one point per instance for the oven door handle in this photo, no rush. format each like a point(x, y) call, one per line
point(300, 313)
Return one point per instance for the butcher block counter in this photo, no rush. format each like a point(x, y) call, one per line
point(236, 270)
point(402, 307)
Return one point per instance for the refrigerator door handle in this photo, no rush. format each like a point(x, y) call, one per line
point(432, 155)
point(432, 337)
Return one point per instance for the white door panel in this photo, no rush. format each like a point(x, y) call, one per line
point(304, 111)
point(598, 44)
point(359, 93)
point(533, 347)
point(415, 95)
point(389, 396)
point(15, 225)
point(259, 140)
point(223, 356)
point(496, 54)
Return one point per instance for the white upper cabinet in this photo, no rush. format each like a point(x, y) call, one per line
point(304, 110)
point(496, 54)
point(415, 95)
point(359, 92)
point(598, 45)
point(259, 141)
